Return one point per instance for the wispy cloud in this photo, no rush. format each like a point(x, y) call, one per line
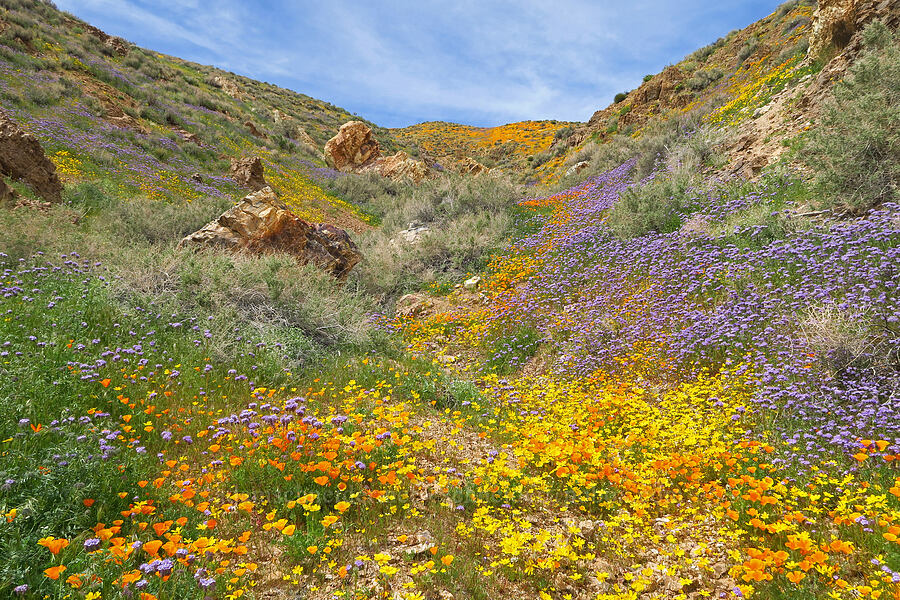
point(400, 62)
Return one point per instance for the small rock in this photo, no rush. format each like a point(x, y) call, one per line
point(472, 283)
point(248, 173)
point(197, 177)
point(577, 168)
point(445, 595)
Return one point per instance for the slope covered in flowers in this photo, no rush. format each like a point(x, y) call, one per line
point(676, 403)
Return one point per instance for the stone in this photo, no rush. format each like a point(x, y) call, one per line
point(261, 223)
point(472, 283)
point(253, 130)
point(22, 158)
point(248, 172)
point(227, 86)
point(411, 305)
point(116, 44)
point(197, 177)
point(836, 24)
point(412, 235)
point(577, 168)
point(470, 166)
point(353, 147)
point(398, 166)
point(305, 138)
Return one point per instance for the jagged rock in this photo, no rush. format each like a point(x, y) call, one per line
point(227, 86)
point(278, 116)
point(411, 305)
point(248, 172)
point(577, 168)
point(116, 44)
point(304, 137)
point(23, 159)
point(472, 283)
point(261, 223)
point(470, 166)
point(253, 130)
point(398, 166)
point(353, 147)
point(836, 23)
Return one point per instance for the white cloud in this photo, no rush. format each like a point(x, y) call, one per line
point(396, 62)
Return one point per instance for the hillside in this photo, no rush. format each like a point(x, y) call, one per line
point(139, 124)
point(669, 371)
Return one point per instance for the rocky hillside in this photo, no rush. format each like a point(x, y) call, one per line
point(674, 374)
point(143, 125)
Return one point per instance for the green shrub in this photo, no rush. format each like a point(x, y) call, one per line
point(747, 49)
point(620, 96)
point(854, 150)
point(703, 78)
point(657, 206)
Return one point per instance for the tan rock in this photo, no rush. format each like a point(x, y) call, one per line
point(304, 137)
point(353, 147)
point(261, 223)
point(248, 172)
point(836, 23)
point(116, 44)
point(22, 158)
point(470, 166)
point(399, 166)
point(227, 86)
point(253, 130)
point(577, 168)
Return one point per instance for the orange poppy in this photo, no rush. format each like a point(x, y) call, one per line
point(54, 572)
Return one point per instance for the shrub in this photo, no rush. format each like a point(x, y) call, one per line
point(647, 78)
point(747, 49)
point(563, 133)
point(619, 97)
point(854, 150)
point(657, 206)
point(703, 78)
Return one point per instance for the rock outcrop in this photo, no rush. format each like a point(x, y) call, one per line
point(261, 223)
point(470, 166)
point(116, 44)
point(836, 23)
point(399, 166)
point(227, 86)
point(248, 172)
point(22, 158)
point(353, 148)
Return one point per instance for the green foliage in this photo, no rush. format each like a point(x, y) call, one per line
point(620, 97)
point(747, 49)
point(508, 352)
point(703, 78)
point(853, 151)
point(657, 206)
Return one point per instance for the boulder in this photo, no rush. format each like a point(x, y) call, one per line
point(22, 158)
point(248, 172)
point(353, 147)
point(227, 86)
point(261, 223)
point(399, 166)
point(577, 168)
point(472, 283)
point(470, 166)
point(253, 130)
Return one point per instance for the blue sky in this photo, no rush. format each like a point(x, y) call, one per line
point(479, 62)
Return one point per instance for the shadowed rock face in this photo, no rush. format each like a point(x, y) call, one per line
point(836, 23)
point(23, 159)
point(261, 223)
